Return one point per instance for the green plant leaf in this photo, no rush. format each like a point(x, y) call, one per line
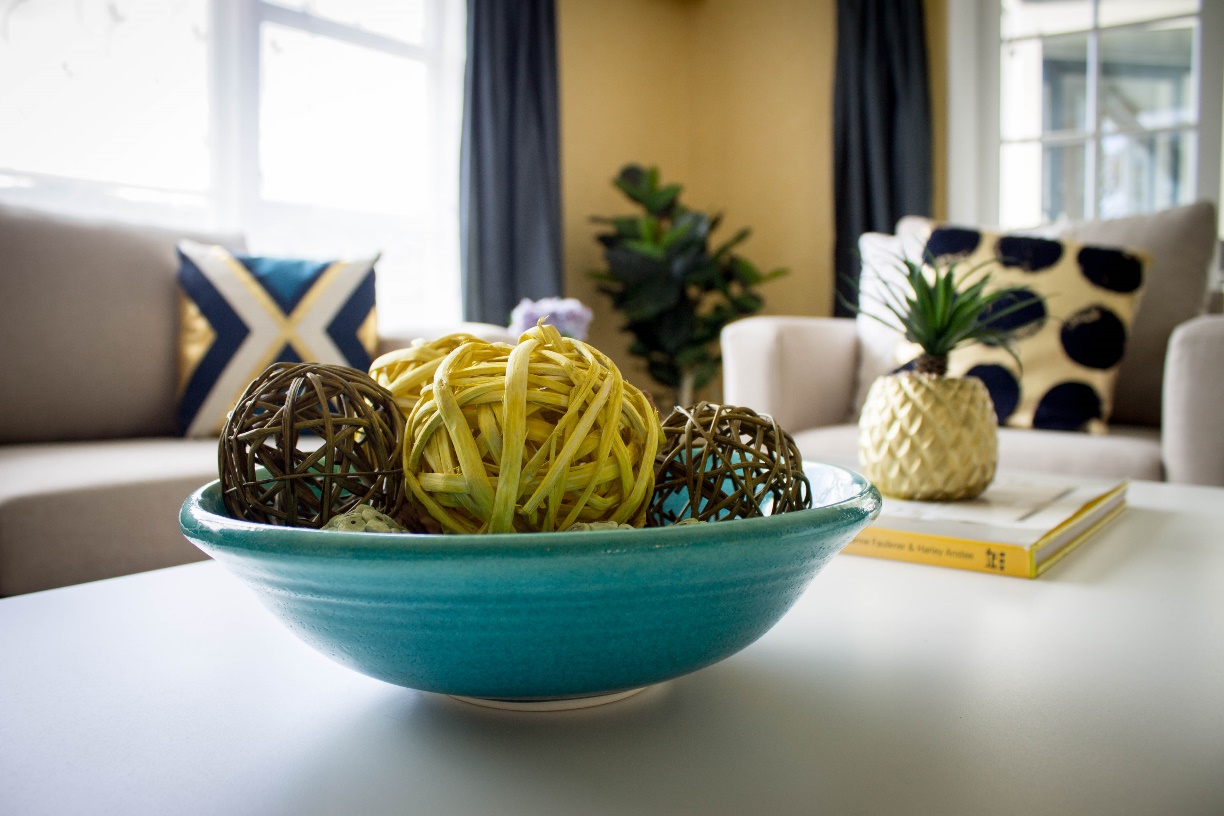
point(691, 355)
point(650, 250)
point(679, 230)
point(734, 241)
point(696, 225)
point(630, 267)
point(675, 294)
point(664, 371)
point(687, 264)
point(660, 201)
point(651, 298)
point(648, 231)
point(634, 181)
point(626, 226)
point(745, 272)
point(747, 304)
point(704, 372)
point(673, 328)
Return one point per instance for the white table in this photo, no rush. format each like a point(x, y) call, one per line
point(890, 688)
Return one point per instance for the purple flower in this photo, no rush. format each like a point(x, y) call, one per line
point(568, 314)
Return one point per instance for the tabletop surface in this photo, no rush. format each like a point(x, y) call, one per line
point(889, 688)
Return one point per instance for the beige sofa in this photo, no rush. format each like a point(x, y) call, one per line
point(91, 475)
point(1168, 397)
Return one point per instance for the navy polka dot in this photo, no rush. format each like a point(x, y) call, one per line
point(1067, 406)
point(1094, 337)
point(1003, 386)
point(1111, 269)
point(1027, 253)
point(1027, 319)
point(948, 244)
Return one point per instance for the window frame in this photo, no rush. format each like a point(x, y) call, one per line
point(973, 90)
point(236, 92)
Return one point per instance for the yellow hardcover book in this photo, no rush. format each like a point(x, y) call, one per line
point(1022, 525)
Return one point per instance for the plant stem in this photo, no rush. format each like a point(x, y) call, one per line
point(936, 364)
point(684, 394)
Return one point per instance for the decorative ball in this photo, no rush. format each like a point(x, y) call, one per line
point(364, 519)
point(307, 442)
point(534, 437)
point(722, 462)
point(406, 371)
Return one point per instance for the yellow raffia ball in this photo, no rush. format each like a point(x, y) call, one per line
point(533, 437)
point(406, 371)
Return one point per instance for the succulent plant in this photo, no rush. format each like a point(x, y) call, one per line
point(940, 308)
point(934, 438)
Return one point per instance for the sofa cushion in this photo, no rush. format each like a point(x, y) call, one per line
point(1075, 308)
point(240, 314)
point(1181, 244)
point(877, 335)
point(879, 254)
point(74, 512)
point(1130, 452)
point(1052, 388)
point(87, 328)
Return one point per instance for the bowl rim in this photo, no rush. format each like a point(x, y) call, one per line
point(224, 532)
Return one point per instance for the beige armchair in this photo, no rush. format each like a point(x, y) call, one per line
point(805, 371)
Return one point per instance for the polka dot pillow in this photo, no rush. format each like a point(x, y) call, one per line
point(1076, 302)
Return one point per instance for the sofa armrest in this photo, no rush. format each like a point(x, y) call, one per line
point(800, 370)
point(403, 338)
point(1191, 440)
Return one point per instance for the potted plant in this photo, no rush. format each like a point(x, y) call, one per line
point(675, 292)
point(922, 434)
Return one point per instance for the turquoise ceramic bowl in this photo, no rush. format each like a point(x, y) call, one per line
point(536, 616)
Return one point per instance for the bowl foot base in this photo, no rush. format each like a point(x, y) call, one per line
point(561, 704)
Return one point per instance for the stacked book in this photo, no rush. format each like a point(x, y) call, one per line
point(1022, 525)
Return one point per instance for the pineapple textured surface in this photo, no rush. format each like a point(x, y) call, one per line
point(928, 438)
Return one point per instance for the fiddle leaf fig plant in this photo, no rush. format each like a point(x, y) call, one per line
point(675, 290)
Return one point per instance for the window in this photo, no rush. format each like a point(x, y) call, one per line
point(1082, 109)
point(1098, 108)
point(312, 127)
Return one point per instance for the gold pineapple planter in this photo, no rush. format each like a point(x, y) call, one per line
point(928, 437)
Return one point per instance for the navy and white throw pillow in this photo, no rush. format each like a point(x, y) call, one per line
point(239, 314)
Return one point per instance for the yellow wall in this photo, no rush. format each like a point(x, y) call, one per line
point(625, 91)
point(731, 98)
point(762, 138)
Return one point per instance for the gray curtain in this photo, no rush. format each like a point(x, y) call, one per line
point(510, 185)
point(881, 127)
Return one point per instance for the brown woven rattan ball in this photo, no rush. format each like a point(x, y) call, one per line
point(723, 462)
point(309, 441)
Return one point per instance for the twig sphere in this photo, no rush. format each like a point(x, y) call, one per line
point(724, 462)
point(268, 475)
point(530, 438)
